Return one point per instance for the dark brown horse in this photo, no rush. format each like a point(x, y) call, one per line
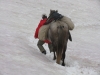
point(58, 34)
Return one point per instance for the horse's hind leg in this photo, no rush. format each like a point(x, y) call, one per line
point(63, 63)
point(54, 56)
point(63, 56)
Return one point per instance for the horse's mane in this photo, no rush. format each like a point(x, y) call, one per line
point(50, 19)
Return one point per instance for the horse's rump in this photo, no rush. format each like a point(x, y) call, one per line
point(58, 29)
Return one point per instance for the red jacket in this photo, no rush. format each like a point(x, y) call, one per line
point(37, 29)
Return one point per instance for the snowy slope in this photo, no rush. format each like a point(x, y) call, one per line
point(19, 54)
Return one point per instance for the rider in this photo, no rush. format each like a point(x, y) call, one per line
point(41, 42)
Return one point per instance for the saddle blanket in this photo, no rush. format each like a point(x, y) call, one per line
point(43, 32)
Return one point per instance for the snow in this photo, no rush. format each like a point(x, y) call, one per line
point(19, 54)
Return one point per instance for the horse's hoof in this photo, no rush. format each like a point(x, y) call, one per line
point(54, 58)
point(63, 64)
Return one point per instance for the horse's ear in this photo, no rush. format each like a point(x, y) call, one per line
point(51, 10)
point(56, 10)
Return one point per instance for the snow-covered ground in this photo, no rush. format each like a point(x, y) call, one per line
point(19, 54)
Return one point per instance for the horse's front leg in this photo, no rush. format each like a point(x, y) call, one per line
point(54, 53)
point(54, 56)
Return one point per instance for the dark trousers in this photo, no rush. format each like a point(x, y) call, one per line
point(40, 46)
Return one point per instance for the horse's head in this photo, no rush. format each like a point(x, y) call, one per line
point(51, 15)
point(54, 15)
point(53, 11)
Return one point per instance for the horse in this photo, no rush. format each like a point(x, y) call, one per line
point(58, 34)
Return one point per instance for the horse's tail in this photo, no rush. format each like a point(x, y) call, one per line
point(62, 32)
point(60, 35)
